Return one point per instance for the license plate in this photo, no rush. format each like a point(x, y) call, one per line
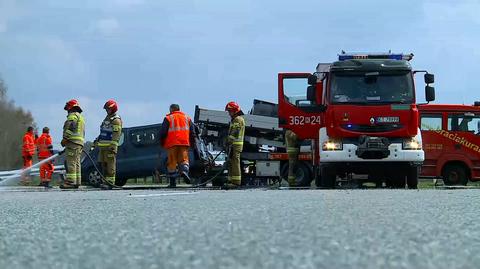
point(387, 119)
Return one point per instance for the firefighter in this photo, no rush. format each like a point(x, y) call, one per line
point(28, 150)
point(176, 136)
point(73, 139)
point(107, 141)
point(293, 149)
point(45, 150)
point(234, 145)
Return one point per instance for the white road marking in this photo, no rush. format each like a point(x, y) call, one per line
point(161, 194)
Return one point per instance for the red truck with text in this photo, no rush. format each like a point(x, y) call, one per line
point(451, 141)
point(361, 114)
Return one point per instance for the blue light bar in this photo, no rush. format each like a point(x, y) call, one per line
point(407, 57)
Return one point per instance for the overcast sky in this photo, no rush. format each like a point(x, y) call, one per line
point(148, 54)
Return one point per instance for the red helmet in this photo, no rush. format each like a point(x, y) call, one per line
point(71, 104)
point(232, 106)
point(112, 105)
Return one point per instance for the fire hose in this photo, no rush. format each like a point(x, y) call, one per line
point(211, 179)
point(102, 177)
point(193, 186)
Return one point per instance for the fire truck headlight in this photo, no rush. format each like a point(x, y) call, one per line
point(411, 144)
point(332, 145)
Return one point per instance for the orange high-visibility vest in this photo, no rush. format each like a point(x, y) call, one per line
point(44, 146)
point(178, 130)
point(28, 148)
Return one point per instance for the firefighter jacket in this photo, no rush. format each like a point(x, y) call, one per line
point(177, 130)
point(74, 128)
point(236, 132)
point(28, 148)
point(110, 131)
point(44, 146)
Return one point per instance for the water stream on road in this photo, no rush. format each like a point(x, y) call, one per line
point(15, 179)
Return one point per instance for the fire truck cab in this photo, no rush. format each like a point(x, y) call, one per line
point(451, 141)
point(361, 113)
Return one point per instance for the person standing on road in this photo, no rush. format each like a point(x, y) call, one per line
point(176, 135)
point(107, 141)
point(28, 150)
point(73, 139)
point(234, 144)
point(293, 148)
point(45, 150)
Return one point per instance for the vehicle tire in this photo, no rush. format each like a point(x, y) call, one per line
point(120, 181)
point(396, 181)
point(93, 177)
point(327, 179)
point(377, 176)
point(412, 177)
point(454, 174)
point(302, 174)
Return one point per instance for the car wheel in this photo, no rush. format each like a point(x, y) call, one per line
point(93, 177)
point(455, 175)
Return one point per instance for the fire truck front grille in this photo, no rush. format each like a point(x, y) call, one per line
point(372, 128)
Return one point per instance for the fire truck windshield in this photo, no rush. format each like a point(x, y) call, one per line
point(371, 88)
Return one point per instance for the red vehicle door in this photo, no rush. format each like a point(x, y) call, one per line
point(299, 105)
point(433, 142)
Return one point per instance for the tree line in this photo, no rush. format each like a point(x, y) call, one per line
point(14, 121)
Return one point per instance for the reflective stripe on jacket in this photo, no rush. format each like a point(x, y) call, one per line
point(74, 128)
point(236, 131)
point(44, 146)
point(110, 131)
point(28, 148)
point(178, 130)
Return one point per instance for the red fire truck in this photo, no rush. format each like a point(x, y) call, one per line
point(451, 141)
point(360, 113)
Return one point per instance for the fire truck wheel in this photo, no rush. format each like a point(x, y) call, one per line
point(302, 173)
point(454, 174)
point(412, 177)
point(396, 181)
point(327, 178)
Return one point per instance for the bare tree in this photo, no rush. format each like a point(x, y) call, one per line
point(13, 124)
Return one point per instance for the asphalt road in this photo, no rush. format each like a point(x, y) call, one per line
point(240, 229)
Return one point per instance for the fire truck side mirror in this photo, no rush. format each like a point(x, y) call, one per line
point(429, 93)
point(429, 78)
point(311, 95)
point(312, 80)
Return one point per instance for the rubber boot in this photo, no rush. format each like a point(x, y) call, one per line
point(173, 182)
point(68, 186)
point(231, 186)
point(292, 182)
